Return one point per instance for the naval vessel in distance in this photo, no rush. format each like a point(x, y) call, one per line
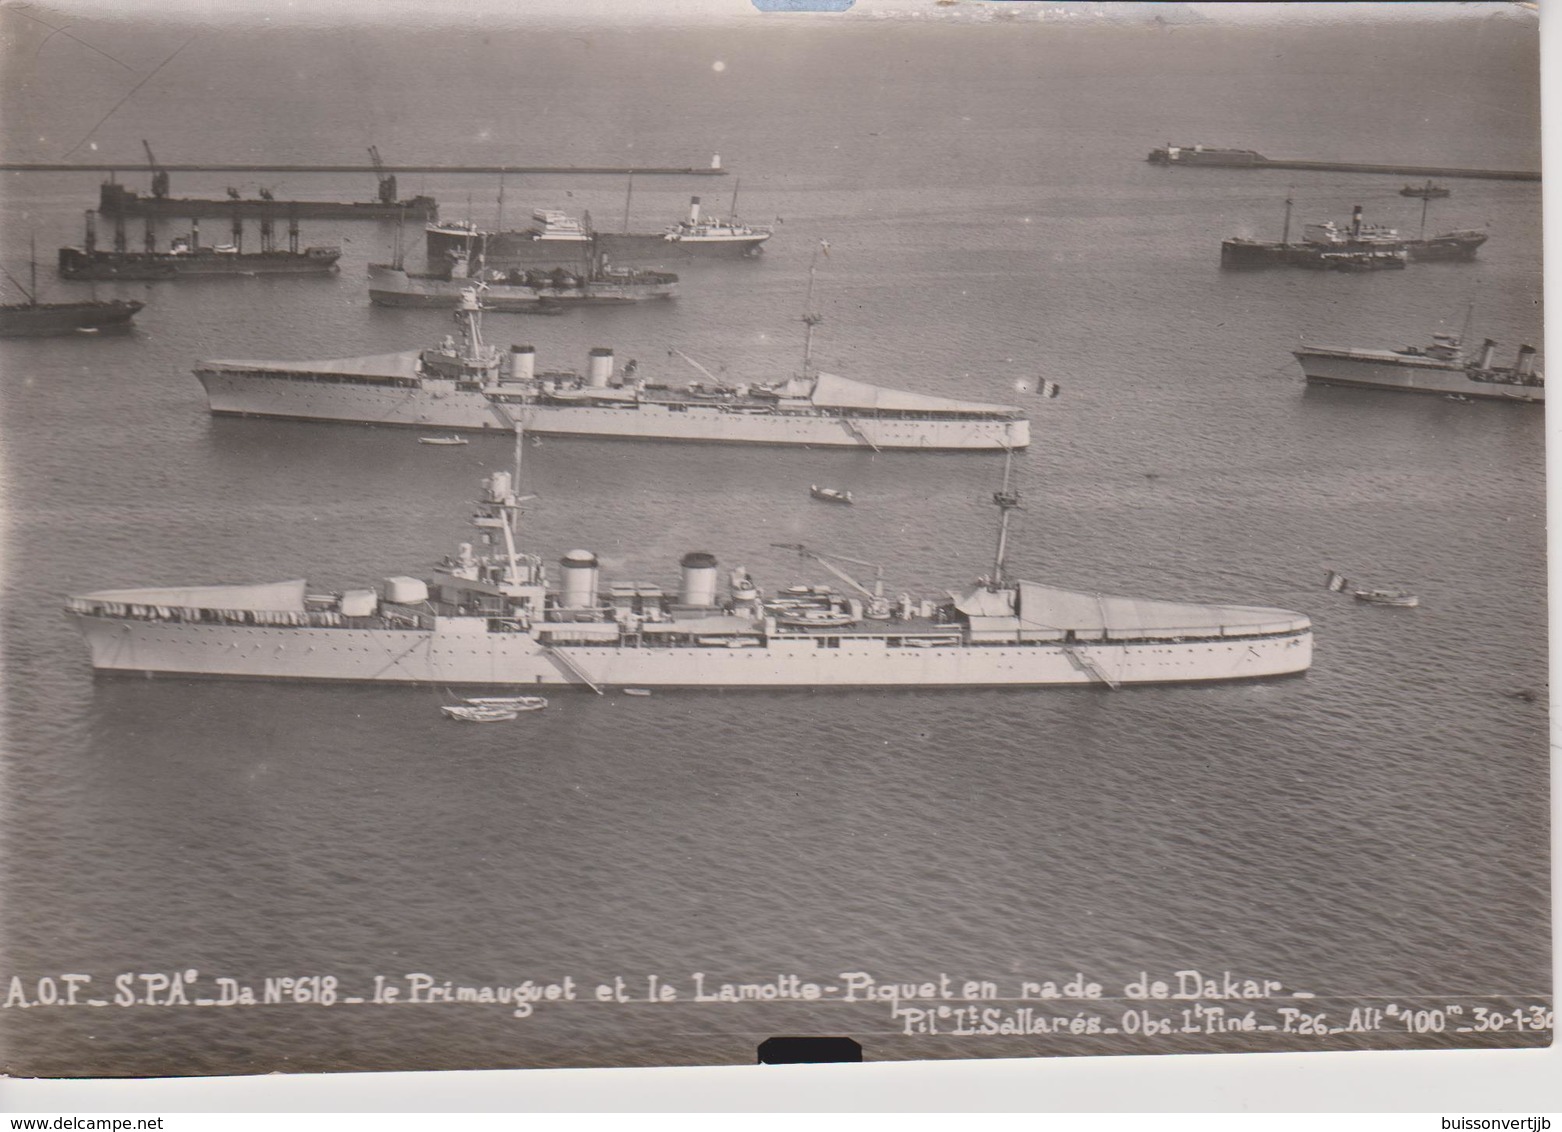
point(470, 385)
point(491, 615)
point(593, 283)
point(1441, 367)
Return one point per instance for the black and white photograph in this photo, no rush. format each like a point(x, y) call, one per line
point(577, 534)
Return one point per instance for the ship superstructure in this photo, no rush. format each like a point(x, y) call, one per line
point(493, 614)
point(467, 384)
point(1442, 367)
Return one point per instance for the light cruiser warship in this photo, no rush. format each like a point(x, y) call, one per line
point(1441, 367)
point(470, 386)
point(491, 616)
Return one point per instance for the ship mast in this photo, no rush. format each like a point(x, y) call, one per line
point(1007, 500)
point(1285, 235)
point(811, 318)
point(628, 197)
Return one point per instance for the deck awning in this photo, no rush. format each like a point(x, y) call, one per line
point(834, 392)
point(1045, 607)
point(266, 597)
point(404, 364)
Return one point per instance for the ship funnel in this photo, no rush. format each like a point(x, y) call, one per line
point(1355, 223)
point(499, 486)
point(715, 161)
point(90, 240)
point(523, 362)
point(599, 367)
point(699, 579)
point(1524, 364)
point(694, 210)
point(578, 588)
point(1488, 348)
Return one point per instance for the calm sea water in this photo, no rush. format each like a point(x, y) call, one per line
point(1372, 831)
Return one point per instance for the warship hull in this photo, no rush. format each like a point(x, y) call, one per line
point(393, 287)
point(339, 398)
point(462, 651)
point(1385, 369)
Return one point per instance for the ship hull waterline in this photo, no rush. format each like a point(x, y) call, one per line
point(471, 656)
point(1407, 376)
point(232, 394)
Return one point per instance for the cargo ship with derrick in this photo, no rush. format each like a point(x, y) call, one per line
point(1357, 246)
point(186, 255)
point(1441, 367)
point(470, 385)
point(490, 615)
point(115, 199)
point(555, 237)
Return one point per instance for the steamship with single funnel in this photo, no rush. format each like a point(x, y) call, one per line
point(555, 237)
point(492, 615)
point(1442, 367)
point(469, 385)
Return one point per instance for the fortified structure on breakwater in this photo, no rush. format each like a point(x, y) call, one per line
point(115, 199)
point(1214, 156)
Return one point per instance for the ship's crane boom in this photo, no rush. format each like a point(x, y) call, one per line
point(387, 180)
point(159, 174)
point(877, 605)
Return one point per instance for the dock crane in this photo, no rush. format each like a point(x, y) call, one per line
point(387, 180)
point(159, 174)
point(878, 607)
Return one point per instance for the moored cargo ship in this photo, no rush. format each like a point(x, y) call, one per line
point(34, 319)
point(187, 256)
point(1357, 246)
point(490, 615)
point(469, 385)
point(557, 238)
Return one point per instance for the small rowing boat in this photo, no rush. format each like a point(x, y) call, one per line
point(470, 713)
point(829, 494)
point(1388, 597)
point(515, 703)
point(444, 441)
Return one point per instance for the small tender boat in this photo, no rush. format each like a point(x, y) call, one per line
point(470, 713)
point(444, 441)
point(829, 494)
point(637, 691)
point(1388, 597)
point(818, 618)
point(515, 703)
